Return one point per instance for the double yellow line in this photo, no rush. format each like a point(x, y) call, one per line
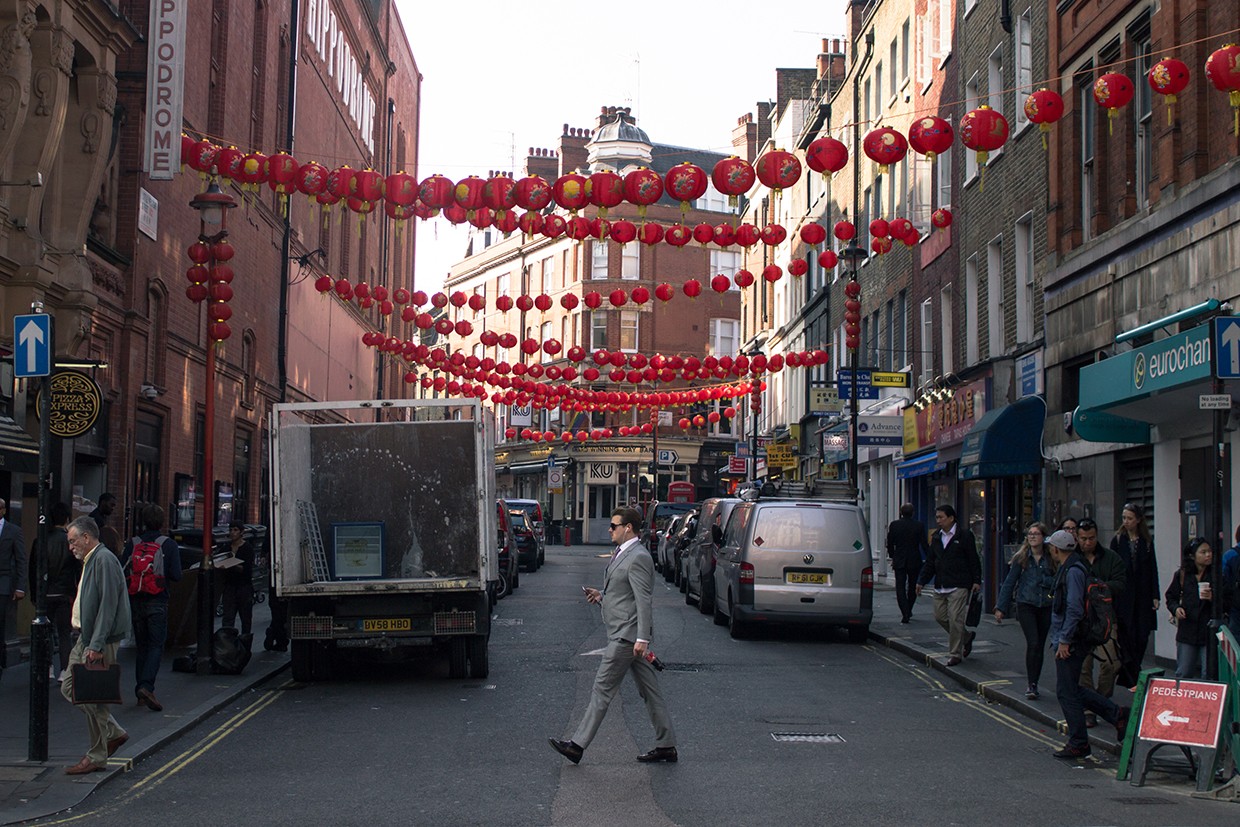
point(186, 758)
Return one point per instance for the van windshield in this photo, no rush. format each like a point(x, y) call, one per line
point(796, 528)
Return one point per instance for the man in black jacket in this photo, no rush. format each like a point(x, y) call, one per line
point(906, 546)
point(954, 567)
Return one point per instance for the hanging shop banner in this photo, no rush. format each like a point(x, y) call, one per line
point(880, 430)
point(946, 423)
point(76, 403)
point(165, 91)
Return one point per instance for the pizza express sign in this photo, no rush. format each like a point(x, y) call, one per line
point(76, 403)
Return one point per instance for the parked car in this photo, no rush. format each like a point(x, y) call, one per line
point(534, 513)
point(527, 540)
point(699, 555)
point(509, 571)
point(656, 520)
point(794, 561)
point(674, 543)
point(662, 554)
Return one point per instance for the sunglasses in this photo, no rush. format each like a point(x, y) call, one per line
point(614, 526)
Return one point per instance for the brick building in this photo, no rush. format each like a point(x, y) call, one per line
point(603, 474)
point(1144, 231)
point(108, 255)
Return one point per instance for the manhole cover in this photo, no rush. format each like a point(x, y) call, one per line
point(808, 737)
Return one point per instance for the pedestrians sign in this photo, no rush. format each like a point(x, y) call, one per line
point(668, 457)
point(1227, 347)
point(33, 336)
point(1189, 713)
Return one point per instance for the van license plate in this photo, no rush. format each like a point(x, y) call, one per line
point(387, 624)
point(810, 578)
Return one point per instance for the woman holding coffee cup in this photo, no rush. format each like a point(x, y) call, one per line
point(1189, 600)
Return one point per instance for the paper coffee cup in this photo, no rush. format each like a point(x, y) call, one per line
point(1203, 590)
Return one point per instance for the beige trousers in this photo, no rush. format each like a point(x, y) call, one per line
point(99, 721)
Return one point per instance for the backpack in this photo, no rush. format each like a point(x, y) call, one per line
point(146, 566)
point(1098, 622)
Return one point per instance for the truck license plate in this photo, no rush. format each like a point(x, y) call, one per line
point(386, 624)
point(815, 579)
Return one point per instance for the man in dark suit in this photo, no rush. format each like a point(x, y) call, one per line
point(13, 574)
point(906, 547)
point(626, 600)
point(954, 567)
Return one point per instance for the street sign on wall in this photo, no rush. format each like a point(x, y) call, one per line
point(32, 340)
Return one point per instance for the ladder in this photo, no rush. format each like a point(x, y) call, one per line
point(312, 541)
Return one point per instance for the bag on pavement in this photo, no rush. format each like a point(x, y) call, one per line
point(230, 651)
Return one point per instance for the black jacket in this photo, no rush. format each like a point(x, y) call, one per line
point(1194, 629)
point(906, 544)
point(954, 567)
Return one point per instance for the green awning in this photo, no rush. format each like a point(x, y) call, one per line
point(1006, 442)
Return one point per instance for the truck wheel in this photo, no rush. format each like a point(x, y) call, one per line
point(457, 658)
point(479, 664)
point(501, 591)
point(300, 657)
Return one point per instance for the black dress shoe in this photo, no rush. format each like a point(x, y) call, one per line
point(905, 619)
point(1071, 753)
point(667, 754)
point(968, 643)
point(568, 749)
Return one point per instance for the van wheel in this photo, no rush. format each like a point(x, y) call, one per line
point(501, 591)
point(736, 629)
point(858, 634)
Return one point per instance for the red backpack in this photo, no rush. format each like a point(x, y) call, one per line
point(146, 566)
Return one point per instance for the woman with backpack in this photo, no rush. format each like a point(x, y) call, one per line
point(1191, 603)
point(1136, 608)
point(1029, 583)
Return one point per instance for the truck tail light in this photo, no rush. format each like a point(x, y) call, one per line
point(747, 574)
point(867, 578)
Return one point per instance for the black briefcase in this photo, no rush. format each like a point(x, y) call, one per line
point(974, 616)
point(96, 684)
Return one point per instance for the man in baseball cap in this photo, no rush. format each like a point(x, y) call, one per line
point(1067, 612)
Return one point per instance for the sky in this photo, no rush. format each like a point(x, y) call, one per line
point(500, 77)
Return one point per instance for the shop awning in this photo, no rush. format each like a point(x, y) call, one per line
point(1006, 442)
point(527, 467)
point(19, 454)
point(919, 466)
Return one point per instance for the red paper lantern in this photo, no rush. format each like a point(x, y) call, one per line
point(1044, 107)
point(311, 178)
point(678, 235)
point(1223, 72)
point(643, 187)
point(228, 163)
point(664, 292)
point(197, 293)
point(533, 193)
point(202, 156)
point(639, 295)
point(983, 130)
point(720, 284)
point(593, 300)
point(773, 235)
point(650, 233)
point(685, 182)
point(577, 228)
point(930, 136)
point(747, 235)
point(1113, 91)
point(844, 230)
point(468, 194)
point(505, 221)
point(778, 169)
point(281, 172)
point(941, 218)
point(1168, 77)
point(219, 331)
point(724, 235)
point(813, 234)
point(323, 284)
point(437, 192)
point(882, 246)
point(443, 325)
point(554, 226)
point(692, 288)
point(884, 146)
point(569, 192)
point(618, 298)
point(826, 155)
point(524, 303)
point(463, 328)
point(772, 273)
point(543, 302)
point(530, 223)
point(481, 218)
point(901, 229)
point(798, 267)
point(499, 193)
point(569, 301)
point(401, 189)
point(703, 233)
point(503, 303)
point(827, 259)
point(605, 189)
point(879, 228)
point(199, 252)
point(733, 177)
point(622, 232)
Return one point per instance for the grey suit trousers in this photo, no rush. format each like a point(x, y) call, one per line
point(617, 661)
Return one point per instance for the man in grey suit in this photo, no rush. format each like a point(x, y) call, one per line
point(626, 600)
point(13, 576)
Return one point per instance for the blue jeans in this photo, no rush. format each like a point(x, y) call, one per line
point(1190, 660)
point(150, 633)
point(1074, 699)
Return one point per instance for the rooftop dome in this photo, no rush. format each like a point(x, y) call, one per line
point(617, 141)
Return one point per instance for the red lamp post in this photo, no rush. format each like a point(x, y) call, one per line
point(213, 206)
point(852, 256)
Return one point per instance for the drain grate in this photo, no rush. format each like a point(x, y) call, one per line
point(808, 737)
point(1142, 801)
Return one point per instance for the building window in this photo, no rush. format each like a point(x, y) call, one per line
point(1087, 108)
point(630, 261)
point(1144, 112)
point(904, 48)
point(892, 59)
point(901, 330)
point(725, 337)
point(945, 312)
point(920, 198)
point(502, 284)
point(628, 330)
point(1022, 58)
point(598, 329)
point(1023, 239)
point(994, 295)
point(598, 260)
point(725, 263)
point(888, 354)
point(875, 335)
point(926, 342)
point(971, 305)
point(866, 104)
point(545, 334)
point(878, 93)
point(943, 176)
point(946, 23)
point(972, 97)
point(548, 270)
point(566, 332)
point(994, 87)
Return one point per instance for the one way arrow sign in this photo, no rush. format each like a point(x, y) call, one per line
point(33, 336)
point(1227, 347)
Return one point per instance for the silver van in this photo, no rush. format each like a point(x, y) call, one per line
point(698, 558)
point(794, 561)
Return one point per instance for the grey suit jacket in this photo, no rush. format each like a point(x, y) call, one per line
point(628, 590)
point(13, 559)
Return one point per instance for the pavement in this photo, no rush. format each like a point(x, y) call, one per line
point(34, 789)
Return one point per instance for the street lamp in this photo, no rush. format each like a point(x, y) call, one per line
point(852, 256)
point(755, 410)
point(213, 206)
